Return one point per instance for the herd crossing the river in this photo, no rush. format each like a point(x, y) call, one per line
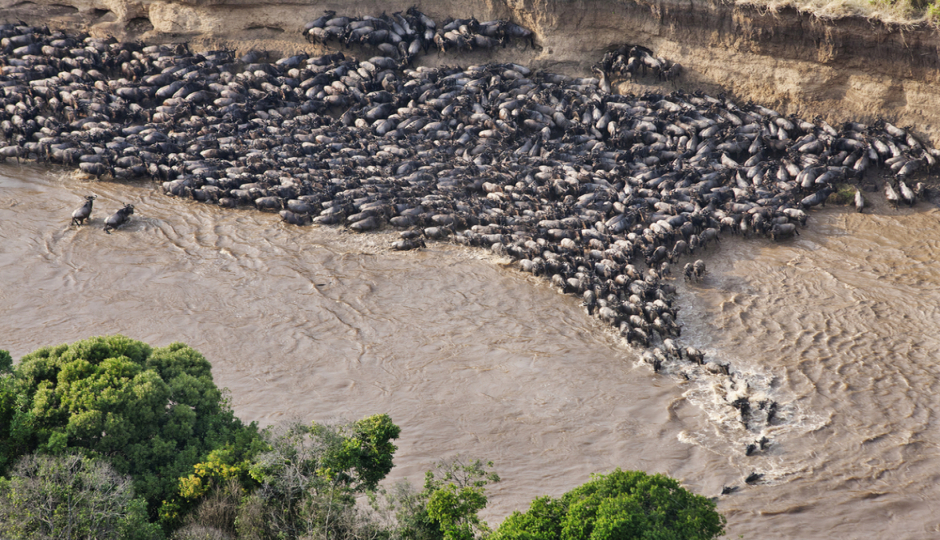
point(597, 192)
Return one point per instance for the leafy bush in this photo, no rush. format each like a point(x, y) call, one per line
point(153, 413)
point(71, 496)
point(457, 495)
point(310, 476)
point(843, 195)
point(622, 504)
point(545, 519)
point(6, 362)
point(447, 507)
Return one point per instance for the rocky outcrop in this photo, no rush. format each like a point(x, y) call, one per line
point(848, 68)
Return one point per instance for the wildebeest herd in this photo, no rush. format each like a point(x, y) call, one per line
point(599, 193)
point(402, 37)
point(634, 60)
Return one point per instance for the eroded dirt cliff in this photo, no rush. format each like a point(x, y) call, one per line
point(849, 68)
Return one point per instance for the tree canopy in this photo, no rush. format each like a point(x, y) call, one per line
point(71, 497)
point(446, 509)
point(309, 476)
point(619, 505)
point(152, 413)
point(455, 497)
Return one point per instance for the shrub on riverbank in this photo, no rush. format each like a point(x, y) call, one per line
point(843, 195)
point(622, 504)
point(71, 496)
point(151, 413)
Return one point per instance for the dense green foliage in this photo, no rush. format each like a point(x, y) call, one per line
point(152, 413)
point(544, 520)
point(454, 498)
point(622, 504)
point(6, 362)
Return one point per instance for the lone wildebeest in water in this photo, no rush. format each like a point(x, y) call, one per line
point(118, 218)
point(79, 216)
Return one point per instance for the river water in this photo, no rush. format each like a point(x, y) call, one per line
point(470, 356)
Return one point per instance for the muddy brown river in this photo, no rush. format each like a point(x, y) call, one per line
point(470, 356)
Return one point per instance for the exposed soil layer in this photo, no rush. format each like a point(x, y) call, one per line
point(849, 68)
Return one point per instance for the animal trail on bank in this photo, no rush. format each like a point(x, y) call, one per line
point(599, 193)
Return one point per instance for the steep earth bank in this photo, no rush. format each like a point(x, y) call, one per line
point(849, 68)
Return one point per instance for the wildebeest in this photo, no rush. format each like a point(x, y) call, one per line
point(79, 216)
point(859, 201)
point(671, 348)
point(891, 195)
point(694, 355)
point(694, 271)
point(659, 254)
point(709, 235)
point(795, 214)
point(783, 230)
point(817, 198)
point(652, 360)
point(906, 193)
point(295, 218)
point(118, 218)
point(681, 248)
point(96, 169)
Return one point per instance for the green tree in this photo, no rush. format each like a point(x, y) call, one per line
point(544, 520)
point(365, 457)
point(6, 362)
point(457, 495)
point(622, 504)
point(447, 507)
point(217, 484)
point(310, 476)
point(152, 413)
point(410, 509)
point(71, 497)
point(14, 418)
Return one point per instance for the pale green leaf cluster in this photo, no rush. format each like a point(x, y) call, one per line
point(71, 497)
